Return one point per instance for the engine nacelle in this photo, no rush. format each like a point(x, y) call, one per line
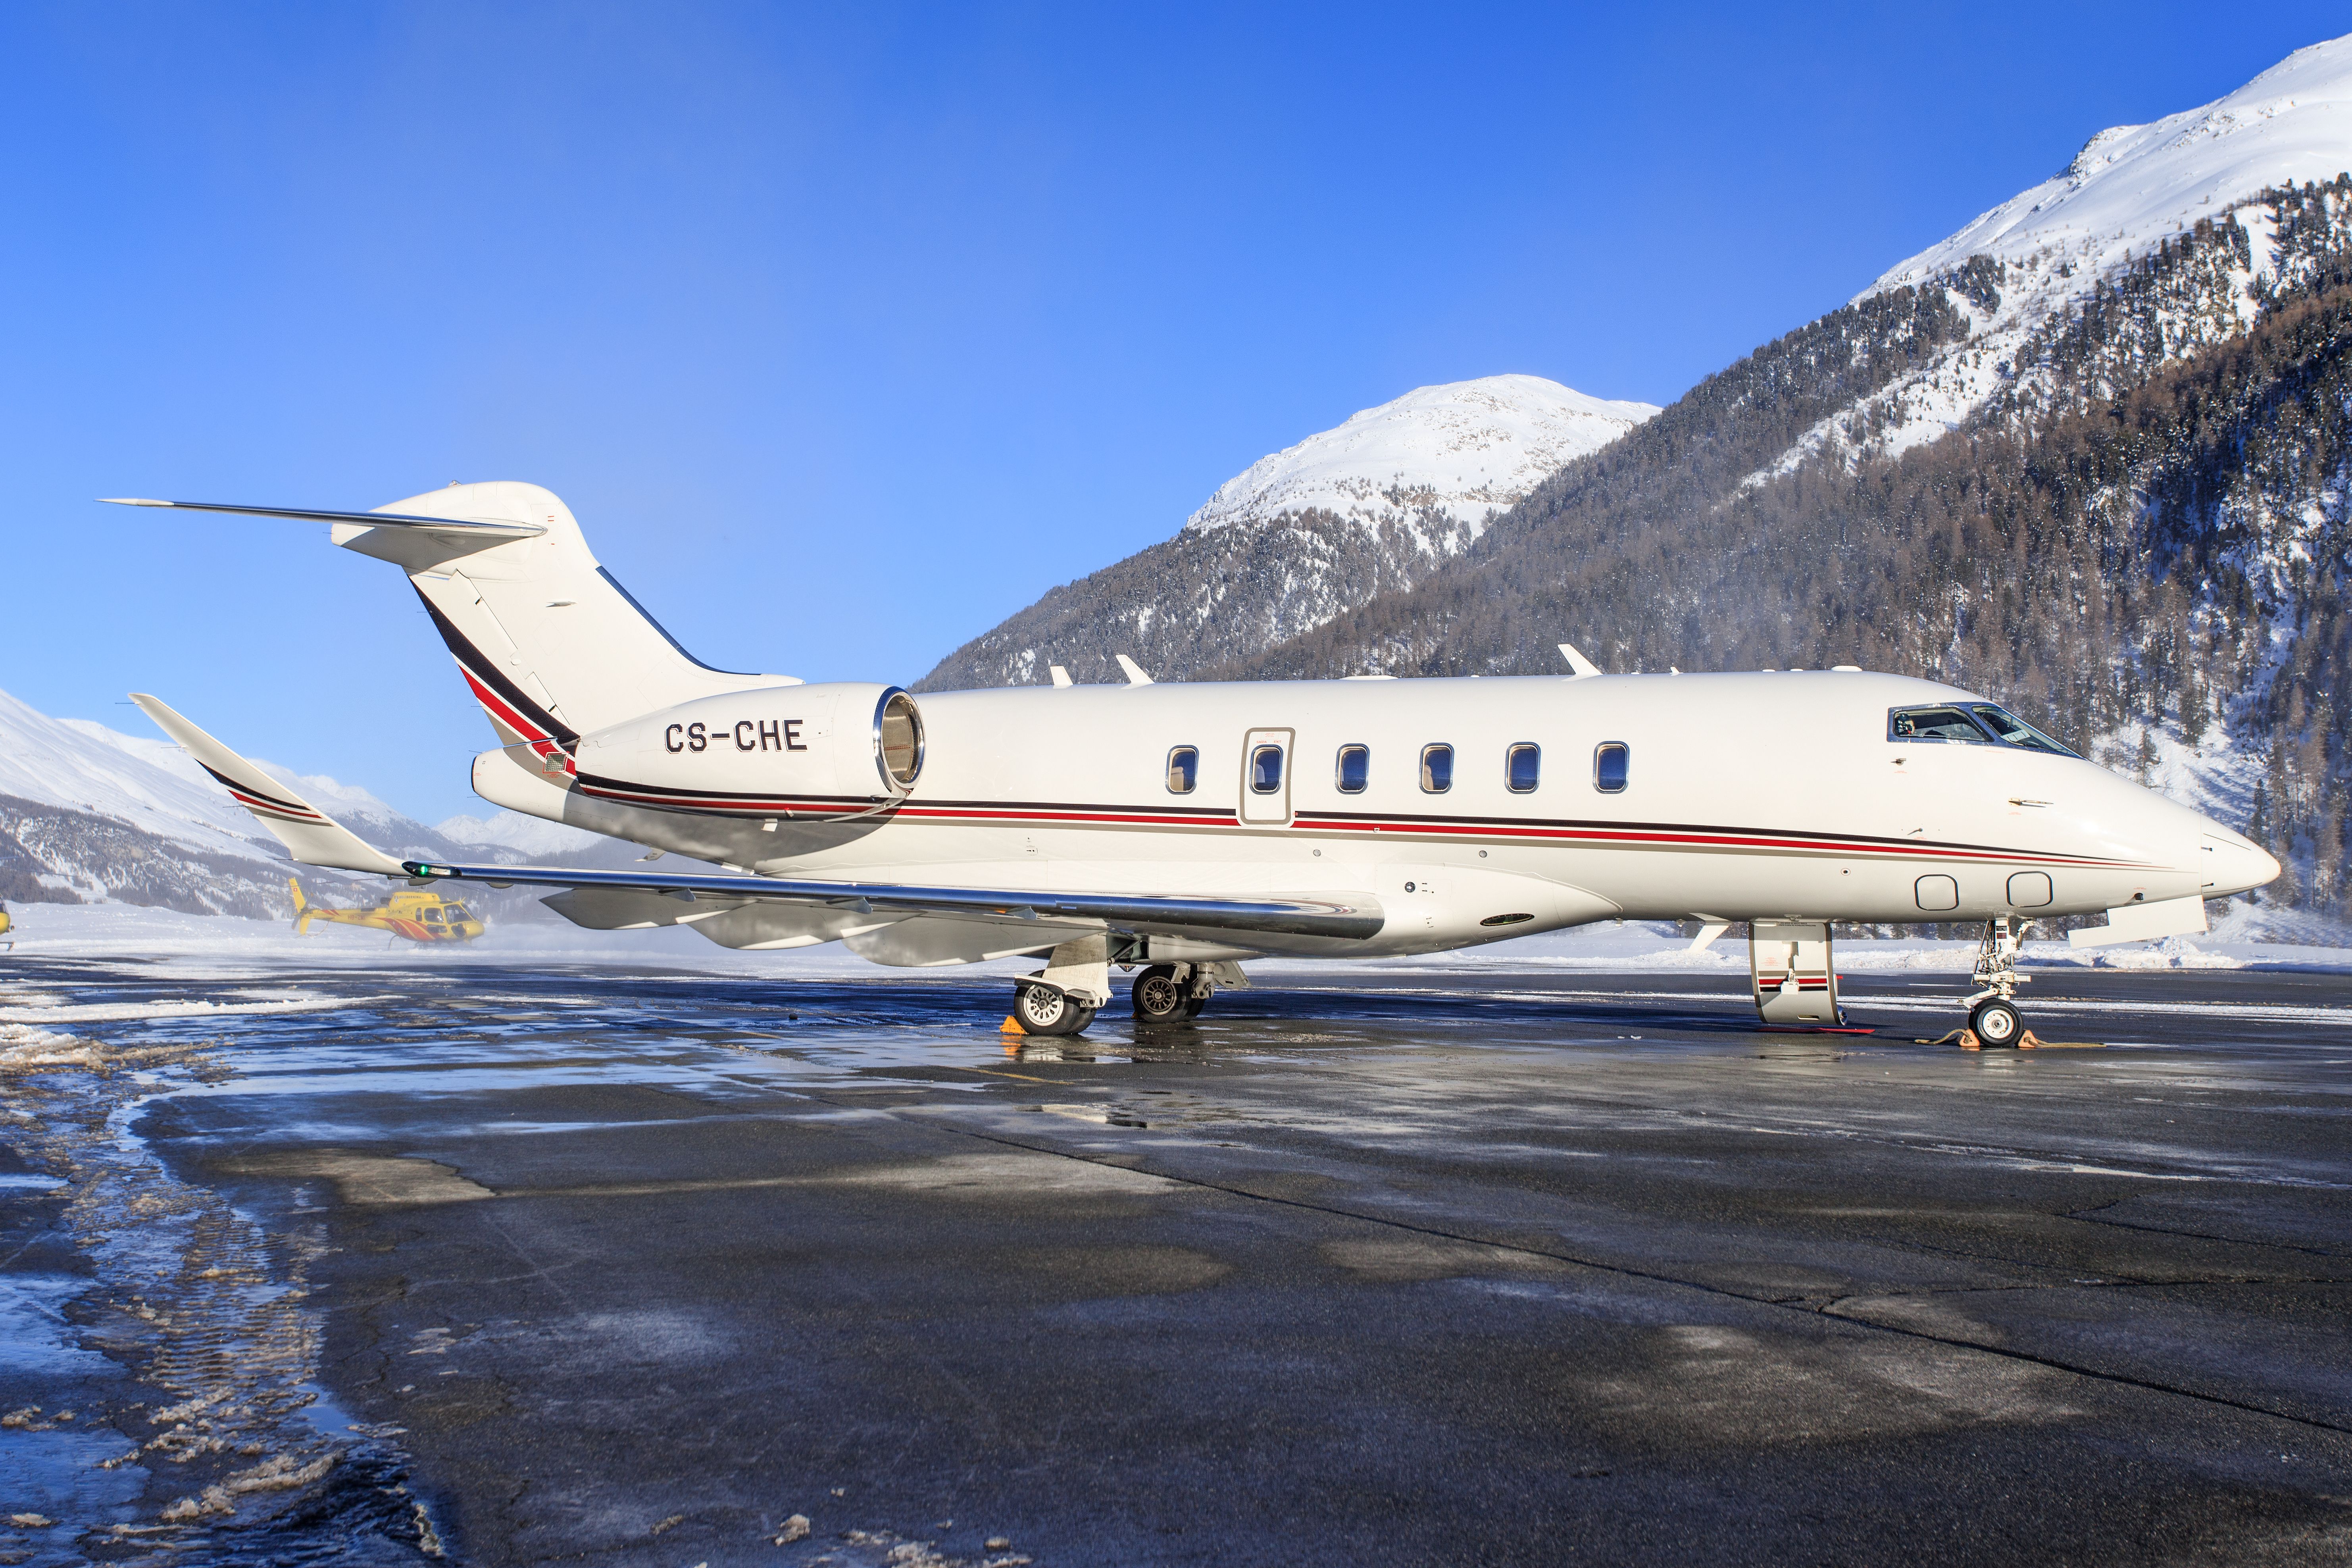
point(822, 750)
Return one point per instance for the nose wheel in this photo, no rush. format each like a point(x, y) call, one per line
point(1996, 1023)
point(1993, 1017)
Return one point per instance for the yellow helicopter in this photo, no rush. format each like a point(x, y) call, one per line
point(419, 914)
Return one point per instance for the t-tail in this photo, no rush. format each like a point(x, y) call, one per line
point(551, 646)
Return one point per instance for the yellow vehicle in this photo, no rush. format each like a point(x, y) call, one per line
point(420, 914)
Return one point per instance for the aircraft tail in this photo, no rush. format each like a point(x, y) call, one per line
point(303, 910)
point(314, 837)
point(551, 646)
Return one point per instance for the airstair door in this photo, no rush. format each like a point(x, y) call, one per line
point(1265, 777)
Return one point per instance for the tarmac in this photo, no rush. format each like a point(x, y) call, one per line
point(528, 1265)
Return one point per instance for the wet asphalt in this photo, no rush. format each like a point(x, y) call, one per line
point(634, 1267)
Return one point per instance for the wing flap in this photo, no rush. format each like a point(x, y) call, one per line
point(1345, 916)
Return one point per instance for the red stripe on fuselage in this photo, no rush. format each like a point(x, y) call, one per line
point(1725, 838)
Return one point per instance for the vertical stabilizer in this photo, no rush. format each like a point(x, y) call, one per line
point(552, 647)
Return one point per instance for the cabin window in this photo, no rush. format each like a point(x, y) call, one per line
point(2015, 731)
point(1183, 768)
point(1436, 769)
point(1265, 770)
point(1943, 723)
point(1355, 769)
point(1522, 765)
point(1612, 761)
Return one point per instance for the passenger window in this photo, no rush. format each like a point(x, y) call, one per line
point(1521, 766)
point(1265, 770)
point(1437, 769)
point(1610, 762)
point(1183, 767)
point(1355, 769)
point(1933, 724)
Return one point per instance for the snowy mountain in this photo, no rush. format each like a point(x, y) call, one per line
point(2017, 272)
point(2133, 185)
point(1439, 461)
point(89, 814)
point(1305, 534)
point(2091, 455)
point(529, 838)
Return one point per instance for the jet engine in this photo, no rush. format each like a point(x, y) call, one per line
point(825, 750)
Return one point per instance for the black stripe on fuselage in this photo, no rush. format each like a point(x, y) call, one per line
point(489, 675)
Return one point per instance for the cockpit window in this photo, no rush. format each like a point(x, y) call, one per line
point(1949, 723)
point(2016, 731)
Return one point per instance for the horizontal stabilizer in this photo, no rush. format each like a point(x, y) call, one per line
point(313, 837)
point(472, 527)
point(1350, 917)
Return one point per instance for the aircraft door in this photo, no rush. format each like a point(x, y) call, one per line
point(1265, 777)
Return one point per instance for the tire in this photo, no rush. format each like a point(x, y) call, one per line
point(1197, 999)
point(1159, 997)
point(1997, 1024)
point(1043, 1009)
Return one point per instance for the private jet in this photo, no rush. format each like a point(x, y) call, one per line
point(1178, 830)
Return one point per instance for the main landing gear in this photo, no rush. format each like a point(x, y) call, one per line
point(1063, 998)
point(1171, 994)
point(1042, 1008)
point(1993, 1017)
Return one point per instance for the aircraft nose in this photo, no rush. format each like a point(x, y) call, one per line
point(2233, 864)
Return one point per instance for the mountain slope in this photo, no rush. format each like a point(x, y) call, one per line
point(1305, 535)
point(2146, 540)
point(87, 813)
point(2022, 268)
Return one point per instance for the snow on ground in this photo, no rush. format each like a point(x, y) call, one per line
point(1465, 449)
point(224, 945)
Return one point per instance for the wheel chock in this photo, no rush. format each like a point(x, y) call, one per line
point(1966, 1039)
point(1012, 1026)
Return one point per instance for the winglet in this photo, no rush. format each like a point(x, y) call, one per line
point(1581, 668)
point(314, 838)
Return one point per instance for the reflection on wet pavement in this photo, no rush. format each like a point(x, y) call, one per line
point(500, 1265)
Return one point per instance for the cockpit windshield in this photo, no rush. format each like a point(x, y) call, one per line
point(2009, 727)
point(1975, 723)
point(1934, 724)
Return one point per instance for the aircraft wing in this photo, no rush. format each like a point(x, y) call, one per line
point(315, 840)
point(1360, 916)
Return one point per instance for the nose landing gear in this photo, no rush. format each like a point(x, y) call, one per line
point(1993, 1017)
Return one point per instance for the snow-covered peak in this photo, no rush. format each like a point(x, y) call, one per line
point(531, 836)
point(1455, 453)
point(2133, 185)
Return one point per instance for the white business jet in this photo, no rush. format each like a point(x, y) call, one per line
point(1180, 829)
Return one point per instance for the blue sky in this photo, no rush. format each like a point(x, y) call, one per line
point(846, 332)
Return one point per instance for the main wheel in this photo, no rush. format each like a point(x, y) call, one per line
point(1159, 997)
point(1196, 996)
point(1047, 1010)
point(1996, 1023)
